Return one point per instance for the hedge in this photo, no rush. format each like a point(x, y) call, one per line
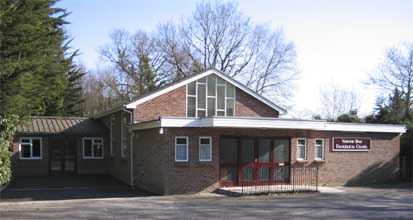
point(8, 125)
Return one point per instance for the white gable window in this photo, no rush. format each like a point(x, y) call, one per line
point(181, 149)
point(92, 148)
point(205, 145)
point(31, 148)
point(301, 149)
point(210, 96)
point(319, 149)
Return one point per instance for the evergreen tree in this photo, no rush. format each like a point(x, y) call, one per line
point(36, 71)
point(391, 110)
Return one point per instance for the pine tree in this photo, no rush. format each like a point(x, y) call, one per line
point(36, 71)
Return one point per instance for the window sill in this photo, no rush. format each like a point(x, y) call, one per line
point(30, 158)
point(320, 160)
point(92, 158)
point(302, 160)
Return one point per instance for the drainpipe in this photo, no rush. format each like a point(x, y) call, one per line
point(131, 146)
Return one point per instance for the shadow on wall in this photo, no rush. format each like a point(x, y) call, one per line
point(378, 173)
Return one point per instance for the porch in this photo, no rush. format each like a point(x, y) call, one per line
point(252, 165)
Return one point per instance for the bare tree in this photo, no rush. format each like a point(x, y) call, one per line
point(139, 65)
point(218, 36)
point(336, 101)
point(396, 72)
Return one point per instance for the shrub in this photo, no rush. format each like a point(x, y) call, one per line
point(8, 125)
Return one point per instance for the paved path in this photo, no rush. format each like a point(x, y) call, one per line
point(354, 203)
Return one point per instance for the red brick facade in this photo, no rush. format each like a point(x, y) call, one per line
point(173, 104)
point(378, 165)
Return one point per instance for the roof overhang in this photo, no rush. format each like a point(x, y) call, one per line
point(237, 84)
point(267, 123)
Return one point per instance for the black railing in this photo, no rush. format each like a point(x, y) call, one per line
point(267, 178)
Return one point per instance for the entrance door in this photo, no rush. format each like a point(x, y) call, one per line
point(282, 160)
point(254, 161)
point(62, 155)
point(229, 161)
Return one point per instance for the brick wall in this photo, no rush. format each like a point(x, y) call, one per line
point(173, 103)
point(378, 165)
point(150, 160)
point(117, 165)
point(30, 167)
point(248, 106)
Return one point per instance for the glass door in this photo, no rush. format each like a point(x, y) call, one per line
point(229, 161)
point(282, 160)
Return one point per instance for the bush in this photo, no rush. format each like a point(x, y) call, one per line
point(8, 125)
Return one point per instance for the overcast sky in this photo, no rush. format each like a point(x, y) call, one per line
point(338, 42)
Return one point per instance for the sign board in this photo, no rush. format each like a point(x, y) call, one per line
point(351, 144)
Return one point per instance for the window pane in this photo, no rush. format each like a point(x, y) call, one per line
point(220, 81)
point(201, 96)
point(221, 113)
point(36, 148)
point(230, 107)
point(319, 152)
point(301, 142)
point(281, 150)
point(98, 150)
point(211, 85)
point(181, 152)
point(25, 141)
point(229, 151)
point(25, 150)
point(192, 88)
point(181, 141)
point(264, 148)
point(191, 106)
point(201, 113)
point(319, 142)
point(205, 141)
point(202, 80)
point(247, 150)
point(230, 90)
point(211, 107)
point(87, 148)
point(221, 97)
point(205, 150)
point(301, 152)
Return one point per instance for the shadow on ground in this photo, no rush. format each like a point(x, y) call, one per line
point(67, 187)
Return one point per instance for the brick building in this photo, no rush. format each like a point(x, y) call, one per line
point(203, 132)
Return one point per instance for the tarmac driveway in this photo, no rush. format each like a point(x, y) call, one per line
point(354, 203)
point(64, 187)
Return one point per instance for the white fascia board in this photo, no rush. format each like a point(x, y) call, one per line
point(168, 89)
point(350, 127)
point(186, 122)
point(202, 75)
point(269, 123)
point(145, 125)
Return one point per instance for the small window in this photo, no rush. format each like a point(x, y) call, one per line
point(319, 149)
point(301, 149)
point(181, 149)
point(31, 148)
point(191, 88)
point(205, 145)
point(92, 148)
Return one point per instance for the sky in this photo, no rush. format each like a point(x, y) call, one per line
point(337, 42)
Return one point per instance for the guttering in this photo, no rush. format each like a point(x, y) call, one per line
point(268, 123)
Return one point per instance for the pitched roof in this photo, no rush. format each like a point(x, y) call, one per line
point(191, 78)
point(56, 125)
